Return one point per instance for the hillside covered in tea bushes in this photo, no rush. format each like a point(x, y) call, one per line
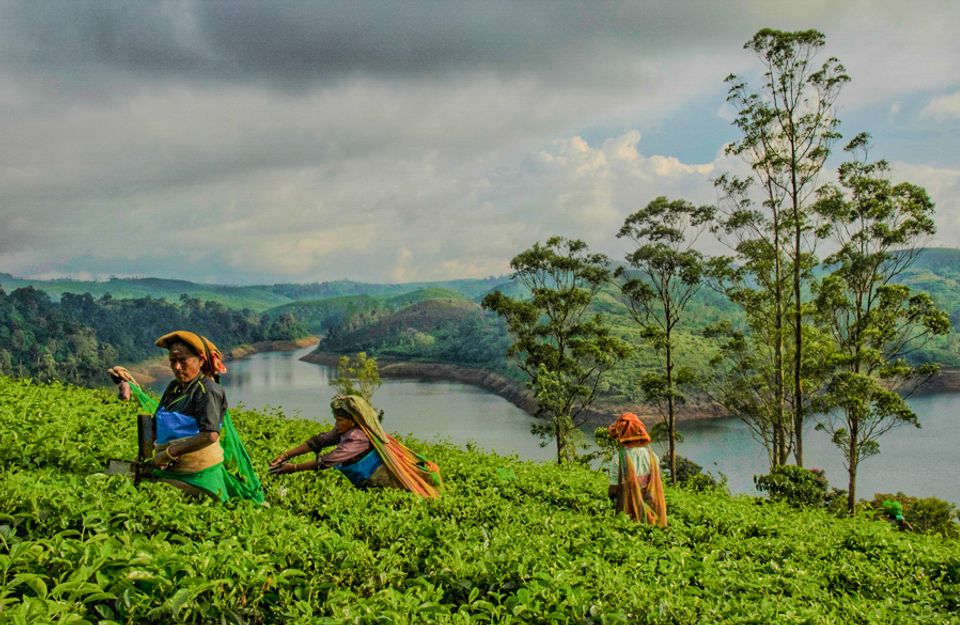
point(508, 542)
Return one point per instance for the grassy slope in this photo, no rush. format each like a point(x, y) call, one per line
point(508, 542)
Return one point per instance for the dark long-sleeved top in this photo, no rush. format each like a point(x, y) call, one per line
point(203, 399)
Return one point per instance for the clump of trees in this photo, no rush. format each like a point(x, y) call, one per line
point(788, 126)
point(76, 339)
point(357, 375)
point(565, 349)
point(826, 337)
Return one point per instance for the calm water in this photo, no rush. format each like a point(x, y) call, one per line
point(919, 462)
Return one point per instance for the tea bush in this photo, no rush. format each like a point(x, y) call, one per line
point(795, 485)
point(508, 542)
point(924, 514)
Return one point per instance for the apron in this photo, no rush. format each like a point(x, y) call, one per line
point(360, 471)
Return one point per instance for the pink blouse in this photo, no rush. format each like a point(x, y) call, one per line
point(350, 445)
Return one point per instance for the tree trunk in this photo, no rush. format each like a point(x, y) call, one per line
point(798, 340)
point(779, 381)
point(671, 419)
point(854, 461)
point(560, 436)
point(852, 490)
point(775, 451)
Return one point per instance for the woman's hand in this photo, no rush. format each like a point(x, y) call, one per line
point(163, 459)
point(120, 373)
point(279, 460)
point(281, 468)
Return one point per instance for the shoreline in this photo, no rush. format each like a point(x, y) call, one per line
point(150, 371)
point(947, 381)
point(514, 392)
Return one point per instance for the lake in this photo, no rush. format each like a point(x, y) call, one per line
point(920, 462)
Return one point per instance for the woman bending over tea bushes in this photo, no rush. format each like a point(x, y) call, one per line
point(635, 483)
point(363, 452)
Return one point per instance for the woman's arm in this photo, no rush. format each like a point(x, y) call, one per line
point(172, 453)
point(293, 467)
point(290, 453)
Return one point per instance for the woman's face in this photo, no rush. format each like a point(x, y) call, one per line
point(184, 363)
point(342, 424)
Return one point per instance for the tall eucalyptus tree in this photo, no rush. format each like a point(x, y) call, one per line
point(565, 349)
point(788, 127)
point(874, 322)
point(667, 272)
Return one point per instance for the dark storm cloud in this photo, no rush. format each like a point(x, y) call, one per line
point(301, 42)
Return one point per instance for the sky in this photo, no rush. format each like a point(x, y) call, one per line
point(262, 142)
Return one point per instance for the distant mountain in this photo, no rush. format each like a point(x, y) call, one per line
point(469, 288)
point(258, 298)
point(352, 311)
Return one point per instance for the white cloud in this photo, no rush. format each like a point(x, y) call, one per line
point(583, 191)
point(943, 185)
point(894, 112)
point(943, 107)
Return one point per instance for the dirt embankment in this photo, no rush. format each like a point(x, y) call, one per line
point(514, 392)
point(947, 381)
point(152, 370)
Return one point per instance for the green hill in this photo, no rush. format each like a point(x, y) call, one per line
point(507, 542)
point(350, 311)
point(320, 315)
point(411, 330)
point(471, 288)
point(256, 298)
point(426, 294)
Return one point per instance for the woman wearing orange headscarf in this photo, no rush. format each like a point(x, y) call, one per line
point(196, 447)
point(635, 483)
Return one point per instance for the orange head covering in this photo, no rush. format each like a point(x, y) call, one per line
point(629, 431)
point(212, 364)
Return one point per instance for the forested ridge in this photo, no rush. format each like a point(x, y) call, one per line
point(457, 331)
point(76, 338)
point(68, 335)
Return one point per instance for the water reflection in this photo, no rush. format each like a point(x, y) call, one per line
point(919, 462)
point(431, 411)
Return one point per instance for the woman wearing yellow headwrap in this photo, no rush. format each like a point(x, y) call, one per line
point(365, 454)
point(635, 483)
point(196, 445)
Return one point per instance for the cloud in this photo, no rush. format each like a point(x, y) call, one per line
point(943, 107)
point(243, 141)
point(379, 219)
point(894, 112)
point(943, 185)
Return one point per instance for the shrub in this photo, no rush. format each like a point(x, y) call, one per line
point(923, 514)
point(795, 485)
point(690, 475)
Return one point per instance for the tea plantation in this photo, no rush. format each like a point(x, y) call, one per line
point(508, 542)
